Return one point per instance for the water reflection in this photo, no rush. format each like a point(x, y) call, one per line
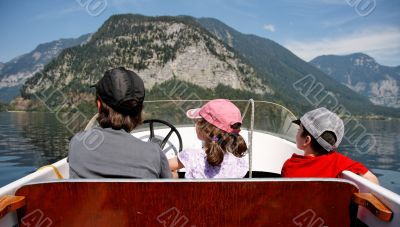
point(31, 140)
point(28, 141)
point(385, 154)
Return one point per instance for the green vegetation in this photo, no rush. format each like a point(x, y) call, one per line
point(3, 107)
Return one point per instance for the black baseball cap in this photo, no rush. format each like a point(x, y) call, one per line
point(119, 85)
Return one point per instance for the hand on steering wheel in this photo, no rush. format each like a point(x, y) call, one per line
point(164, 141)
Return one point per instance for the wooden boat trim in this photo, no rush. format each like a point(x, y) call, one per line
point(373, 204)
point(10, 203)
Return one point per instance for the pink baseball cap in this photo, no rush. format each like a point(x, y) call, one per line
point(221, 113)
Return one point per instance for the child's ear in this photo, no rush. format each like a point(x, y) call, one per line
point(307, 141)
point(98, 105)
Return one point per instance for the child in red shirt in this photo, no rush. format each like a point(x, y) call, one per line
point(319, 134)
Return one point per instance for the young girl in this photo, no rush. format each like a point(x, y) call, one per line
point(217, 126)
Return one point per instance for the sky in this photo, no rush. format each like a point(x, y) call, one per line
point(308, 28)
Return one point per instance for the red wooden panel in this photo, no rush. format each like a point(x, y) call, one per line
point(188, 203)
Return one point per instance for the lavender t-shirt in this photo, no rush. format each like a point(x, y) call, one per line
point(196, 165)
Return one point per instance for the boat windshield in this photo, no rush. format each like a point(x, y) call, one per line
point(268, 117)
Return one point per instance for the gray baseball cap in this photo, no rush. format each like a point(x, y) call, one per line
point(319, 121)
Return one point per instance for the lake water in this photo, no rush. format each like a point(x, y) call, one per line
point(31, 140)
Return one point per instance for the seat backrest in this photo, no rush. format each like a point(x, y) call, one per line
point(268, 202)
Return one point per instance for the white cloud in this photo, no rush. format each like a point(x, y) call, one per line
point(340, 20)
point(269, 27)
point(382, 44)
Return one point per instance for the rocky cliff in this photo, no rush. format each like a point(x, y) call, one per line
point(361, 73)
point(158, 48)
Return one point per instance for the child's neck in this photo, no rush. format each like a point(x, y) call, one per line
point(309, 152)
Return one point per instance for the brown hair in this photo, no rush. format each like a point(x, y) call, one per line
point(217, 142)
point(110, 118)
point(328, 136)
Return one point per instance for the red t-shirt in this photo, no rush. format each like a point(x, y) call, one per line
point(328, 165)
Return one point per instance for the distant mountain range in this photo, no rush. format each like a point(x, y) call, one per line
point(361, 73)
point(208, 56)
point(282, 69)
point(15, 72)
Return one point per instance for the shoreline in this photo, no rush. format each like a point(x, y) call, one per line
point(358, 117)
point(16, 111)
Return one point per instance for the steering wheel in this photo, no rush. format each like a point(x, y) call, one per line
point(159, 140)
point(153, 138)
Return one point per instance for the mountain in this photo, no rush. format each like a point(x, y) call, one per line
point(283, 70)
point(204, 55)
point(158, 48)
point(15, 72)
point(361, 73)
point(1, 66)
